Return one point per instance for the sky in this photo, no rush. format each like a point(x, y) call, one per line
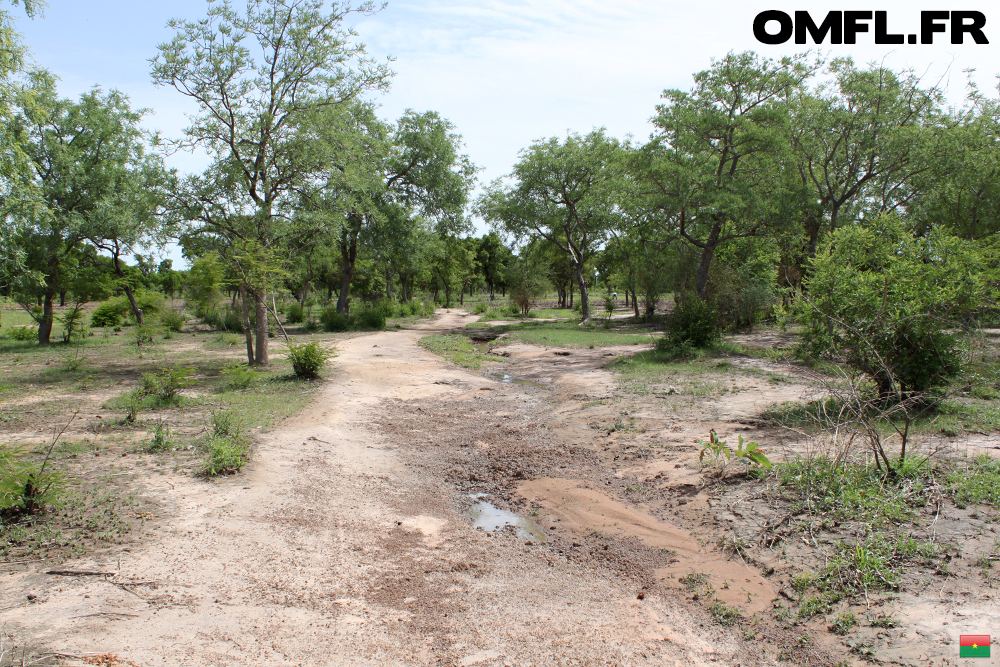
point(506, 72)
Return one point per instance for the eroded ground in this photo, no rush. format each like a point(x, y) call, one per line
point(349, 539)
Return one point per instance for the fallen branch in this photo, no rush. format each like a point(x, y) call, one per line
point(107, 613)
point(81, 573)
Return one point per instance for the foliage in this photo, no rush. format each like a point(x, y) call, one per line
point(693, 322)
point(977, 482)
point(884, 300)
point(25, 488)
point(164, 385)
point(239, 376)
point(309, 358)
point(751, 454)
point(110, 313)
point(225, 456)
point(23, 334)
point(525, 284)
point(161, 440)
point(72, 322)
point(295, 313)
point(173, 318)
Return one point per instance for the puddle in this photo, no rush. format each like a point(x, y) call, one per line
point(490, 518)
point(483, 347)
point(509, 379)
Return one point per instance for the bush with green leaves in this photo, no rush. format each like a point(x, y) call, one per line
point(161, 440)
point(25, 488)
point(237, 376)
point(334, 321)
point(693, 323)
point(526, 283)
point(23, 334)
point(887, 302)
point(295, 313)
point(173, 319)
point(110, 313)
point(309, 358)
point(225, 456)
point(164, 385)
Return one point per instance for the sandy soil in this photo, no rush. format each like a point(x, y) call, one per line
point(347, 542)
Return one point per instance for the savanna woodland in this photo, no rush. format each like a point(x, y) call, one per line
point(724, 395)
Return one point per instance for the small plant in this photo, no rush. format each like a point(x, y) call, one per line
point(165, 384)
point(609, 305)
point(73, 363)
point(694, 322)
point(225, 456)
point(750, 453)
point(308, 358)
point(843, 623)
point(72, 322)
point(228, 424)
point(161, 440)
point(133, 403)
point(173, 319)
point(723, 614)
point(239, 376)
point(883, 620)
point(294, 313)
point(26, 489)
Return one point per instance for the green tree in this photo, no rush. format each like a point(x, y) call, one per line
point(713, 172)
point(94, 182)
point(563, 192)
point(887, 302)
point(257, 78)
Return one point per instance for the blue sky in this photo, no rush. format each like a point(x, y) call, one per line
point(505, 72)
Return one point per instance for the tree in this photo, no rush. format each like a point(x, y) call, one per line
point(257, 78)
point(94, 182)
point(563, 192)
point(886, 301)
point(713, 171)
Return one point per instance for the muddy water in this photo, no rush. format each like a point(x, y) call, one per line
point(509, 379)
point(490, 518)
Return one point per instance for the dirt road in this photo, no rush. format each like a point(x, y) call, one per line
point(348, 542)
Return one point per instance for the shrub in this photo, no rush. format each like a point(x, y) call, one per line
point(371, 317)
point(25, 488)
point(228, 424)
point(225, 456)
point(308, 358)
point(173, 319)
point(110, 313)
point(239, 376)
point(73, 325)
point(694, 322)
point(295, 313)
point(334, 321)
point(161, 440)
point(884, 300)
point(165, 384)
point(481, 307)
point(23, 333)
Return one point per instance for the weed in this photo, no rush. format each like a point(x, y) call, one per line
point(228, 424)
point(161, 440)
point(239, 376)
point(225, 456)
point(751, 454)
point(164, 385)
point(697, 583)
point(813, 606)
point(883, 620)
point(843, 623)
point(458, 349)
point(723, 614)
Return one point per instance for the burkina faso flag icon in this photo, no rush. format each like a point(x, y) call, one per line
point(974, 646)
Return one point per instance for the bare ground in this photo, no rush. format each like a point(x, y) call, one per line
point(348, 540)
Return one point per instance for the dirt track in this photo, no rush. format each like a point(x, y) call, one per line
point(348, 542)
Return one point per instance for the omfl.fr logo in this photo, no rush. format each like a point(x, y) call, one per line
point(774, 26)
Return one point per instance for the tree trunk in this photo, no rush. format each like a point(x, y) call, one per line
point(635, 303)
point(62, 299)
point(304, 294)
point(260, 308)
point(245, 319)
point(706, 262)
point(135, 307)
point(584, 300)
point(348, 255)
point(45, 326)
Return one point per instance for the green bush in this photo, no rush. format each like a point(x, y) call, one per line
point(295, 313)
point(239, 376)
point(173, 319)
point(308, 358)
point(226, 423)
point(371, 317)
point(23, 333)
point(110, 313)
point(693, 323)
point(225, 456)
point(165, 384)
point(161, 440)
point(25, 488)
point(334, 321)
